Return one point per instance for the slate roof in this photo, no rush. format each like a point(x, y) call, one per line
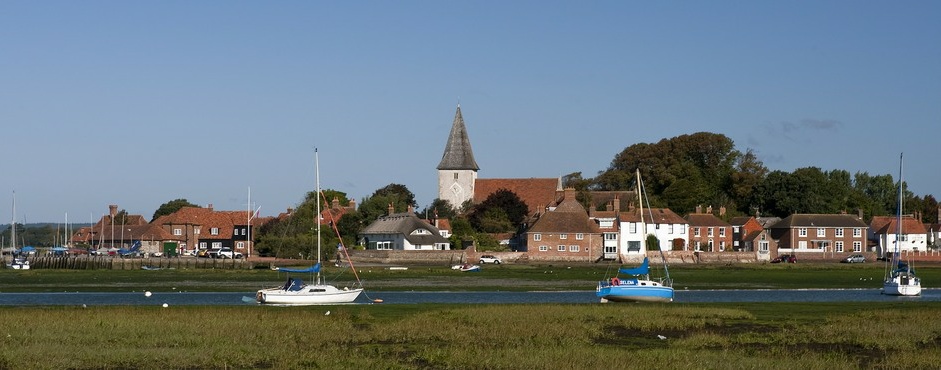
point(458, 154)
point(537, 193)
point(405, 223)
point(739, 221)
point(819, 220)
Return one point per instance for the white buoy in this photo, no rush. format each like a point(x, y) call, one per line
point(327, 314)
point(147, 294)
point(165, 305)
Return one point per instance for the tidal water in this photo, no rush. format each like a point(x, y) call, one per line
point(418, 297)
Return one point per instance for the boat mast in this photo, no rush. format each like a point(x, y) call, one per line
point(317, 216)
point(898, 220)
point(13, 224)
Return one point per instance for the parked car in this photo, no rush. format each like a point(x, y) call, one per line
point(210, 253)
point(228, 253)
point(488, 258)
point(785, 258)
point(854, 258)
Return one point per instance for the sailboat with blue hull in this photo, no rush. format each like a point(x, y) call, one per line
point(639, 287)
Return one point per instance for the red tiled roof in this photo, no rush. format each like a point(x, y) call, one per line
point(909, 226)
point(537, 193)
point(705, 219)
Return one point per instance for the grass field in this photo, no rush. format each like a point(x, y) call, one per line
point(841, 335)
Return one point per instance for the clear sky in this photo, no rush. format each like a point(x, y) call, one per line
point(136, 103)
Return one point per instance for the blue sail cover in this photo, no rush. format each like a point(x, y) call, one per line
point(314, 268)
point(643, 269)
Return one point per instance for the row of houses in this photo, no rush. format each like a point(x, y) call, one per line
point(185, 231)
point(564, 230)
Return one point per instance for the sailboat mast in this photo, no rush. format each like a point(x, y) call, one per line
point(317, 216)
point(13, 224)
point(898, 220)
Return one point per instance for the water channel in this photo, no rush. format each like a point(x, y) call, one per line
point(417, 297)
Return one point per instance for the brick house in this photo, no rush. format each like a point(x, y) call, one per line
point(743, 229)
point(709, 233)
point(820, 234)
point(564, 233)
point(204, 228)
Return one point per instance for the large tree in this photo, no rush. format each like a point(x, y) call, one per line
point(502, 211)
point(171, 207)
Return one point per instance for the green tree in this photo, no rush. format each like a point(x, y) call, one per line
point(514, 211)
point(171, 207)
point(399, 191)
point(439, 208)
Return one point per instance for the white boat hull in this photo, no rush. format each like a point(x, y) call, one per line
point(902, 286)
point(309, 295)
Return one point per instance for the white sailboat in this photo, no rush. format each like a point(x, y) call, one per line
point(295, 291)
point(900, 276)
point(639, 287)
point(19, 261)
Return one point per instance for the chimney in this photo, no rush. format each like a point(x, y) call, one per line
point(569, 194)
point(722, 211)
point(335, 204)
point(859, 213)
point(113, 210)
point(609, 206)
point(210, 207)
point(699, 208)
point(391, 209)
point(352, 205)
point(290, 211)
point(709, 210)
point(410, 209)
point(939, 213)
point(617, 204)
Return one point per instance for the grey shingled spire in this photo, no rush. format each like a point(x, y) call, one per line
point(458, 154)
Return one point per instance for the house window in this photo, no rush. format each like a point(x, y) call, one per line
point(543, 248)
point(802, 231)
point(633, 246)
point(217, 244)
point(579, 236)
point(670, 229)
point(721, 232)
point(214, 231)
point(709, 232)
point(857, 246)
point(763, 236)
point(839, 232)
point(763, 246)
point(682, 229)
point(561, 248)
point(802, 244)
point(695, 231)
point(857, 232)
point(177, 232)
point(632, 227)
point(563, 236)
point(455, 175)
point(610, 236)
point(240, 245)
point(722, 246)
point(537, 237)
point(202, 245)
point(697, 246)
point(735, 229)
point(573, 248)
point(839, 246)
point(196, 230)
point(384, 246)
point(821, 232)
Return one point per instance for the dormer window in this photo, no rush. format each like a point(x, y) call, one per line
point(214, 231)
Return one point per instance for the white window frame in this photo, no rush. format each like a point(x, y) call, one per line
point(177, 231)
point(802, 231)
point(857, 232)
point(722, 232)
point(579, 236)
point(573, 248)
point(563, 236)
point(696, 231)
point(821, 232)
point(838, 232)
point(543, 248)
point(710, 232)
point(537, 237)
point(561, 248)
point(839, 245)
point(857, 246)
point(214, 231)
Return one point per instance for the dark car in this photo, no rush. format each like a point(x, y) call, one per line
point(785, 258)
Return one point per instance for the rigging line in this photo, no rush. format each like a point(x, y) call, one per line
point(333, 225)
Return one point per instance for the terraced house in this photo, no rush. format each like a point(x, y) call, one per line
point(820, 234)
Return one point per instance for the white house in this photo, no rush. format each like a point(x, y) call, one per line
point(669, 228)
point(404, 232)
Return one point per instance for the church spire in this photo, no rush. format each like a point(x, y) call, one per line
point(458, 154)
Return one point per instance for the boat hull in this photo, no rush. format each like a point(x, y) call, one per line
point(309, 295)
point(635, 293)
point(902, 287)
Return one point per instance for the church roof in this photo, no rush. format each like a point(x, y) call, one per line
point(458, 154)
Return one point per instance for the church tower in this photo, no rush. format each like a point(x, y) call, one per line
point(457, 171)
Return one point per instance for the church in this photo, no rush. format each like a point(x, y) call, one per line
point(458, 181)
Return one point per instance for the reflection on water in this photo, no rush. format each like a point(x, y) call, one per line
point(246, 298)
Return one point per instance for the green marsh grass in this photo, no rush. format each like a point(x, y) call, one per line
point(435, 336)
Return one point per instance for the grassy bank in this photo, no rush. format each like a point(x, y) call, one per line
point(430, 278)
point(770, 336)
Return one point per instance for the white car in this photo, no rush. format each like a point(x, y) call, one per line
point(228, 253)
point(487, 258)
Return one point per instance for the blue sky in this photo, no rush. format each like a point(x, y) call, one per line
point(137, 103)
